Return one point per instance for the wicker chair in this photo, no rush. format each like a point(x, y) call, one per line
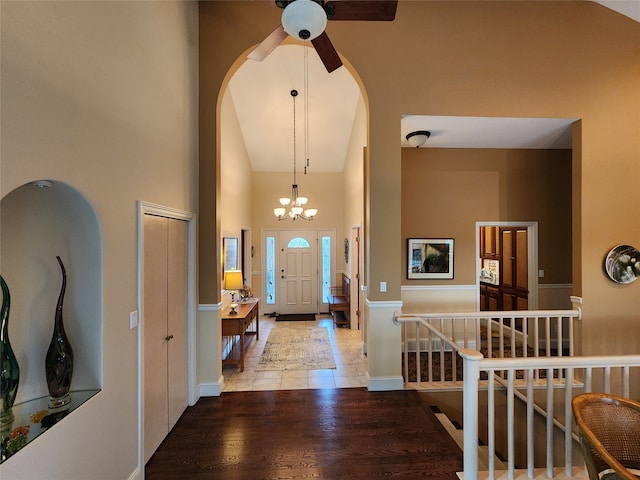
point(609, 431)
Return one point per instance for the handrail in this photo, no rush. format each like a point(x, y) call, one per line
point(502, 333)
point(519, 352)
point(474, 363)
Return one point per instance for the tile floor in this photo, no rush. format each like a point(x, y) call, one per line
point(350, 368)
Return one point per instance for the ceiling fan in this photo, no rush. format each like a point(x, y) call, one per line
point(307, 19)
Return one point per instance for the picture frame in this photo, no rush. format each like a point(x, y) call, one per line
point(229, 254)
point(430, 258)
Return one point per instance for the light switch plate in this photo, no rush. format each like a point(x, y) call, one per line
point(383, 286)
point(133, 319)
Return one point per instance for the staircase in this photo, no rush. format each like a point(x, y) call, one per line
point(454, 429)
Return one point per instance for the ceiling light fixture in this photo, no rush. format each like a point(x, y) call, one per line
point(304, 19)
point(418, 138)
point(296, 202)
point(42, 183)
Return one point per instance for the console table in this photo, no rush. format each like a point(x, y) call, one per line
point(237, 325)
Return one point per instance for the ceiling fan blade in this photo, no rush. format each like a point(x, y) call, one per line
point(326, 52)
point(267, 46)
point(377, 10)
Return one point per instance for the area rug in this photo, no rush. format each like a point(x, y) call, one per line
point(297, 317)
point(301, 348)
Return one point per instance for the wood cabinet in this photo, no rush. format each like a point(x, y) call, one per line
point(165, 327)
point(509, 246)
point(489, 243)
point(514, 274)
point(490, 298)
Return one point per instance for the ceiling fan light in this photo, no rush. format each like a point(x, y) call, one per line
point(418, 138)
point(304, 19)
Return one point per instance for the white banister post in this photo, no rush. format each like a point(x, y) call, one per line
point(471, 372)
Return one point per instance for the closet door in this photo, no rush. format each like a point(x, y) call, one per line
point(165, 327)
point(177, 319)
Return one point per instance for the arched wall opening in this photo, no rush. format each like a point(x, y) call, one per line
point(38, 224)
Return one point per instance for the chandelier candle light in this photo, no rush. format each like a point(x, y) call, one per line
point(295, 202)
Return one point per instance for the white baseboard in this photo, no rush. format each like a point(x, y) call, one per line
point(136, 475)
point(384, 384)
point(213, 389)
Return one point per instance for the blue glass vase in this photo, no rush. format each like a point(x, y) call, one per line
point(9, 369)
point(59, 360)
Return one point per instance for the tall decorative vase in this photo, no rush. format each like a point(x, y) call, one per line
point(9, 369)
point(59, 360)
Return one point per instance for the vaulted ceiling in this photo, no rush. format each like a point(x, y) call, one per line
point(261, 96)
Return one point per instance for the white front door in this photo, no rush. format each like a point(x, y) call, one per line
point(297, 276)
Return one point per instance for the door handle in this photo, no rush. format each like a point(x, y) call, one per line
point(168, 337)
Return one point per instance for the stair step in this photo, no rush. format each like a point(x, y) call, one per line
point(483, 457)
point(457, 434)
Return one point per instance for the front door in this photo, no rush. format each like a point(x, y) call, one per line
point(297, 278)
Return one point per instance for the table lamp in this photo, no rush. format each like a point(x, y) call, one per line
point(233, 282)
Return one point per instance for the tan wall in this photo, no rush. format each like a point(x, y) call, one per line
point(446, 191)
point(354, 184)
point(324, 191)
point(235, 183)
point(103, 97)
point(577, 60)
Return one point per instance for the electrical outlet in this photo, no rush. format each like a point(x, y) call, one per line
point(133, 319)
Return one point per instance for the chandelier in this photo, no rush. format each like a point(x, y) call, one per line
point(295, 202)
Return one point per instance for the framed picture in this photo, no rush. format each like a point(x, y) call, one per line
point(430, 258)
point(229, 254)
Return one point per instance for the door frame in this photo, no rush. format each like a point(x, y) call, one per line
point(275, 232)
point(146, 208)
point(532, 258)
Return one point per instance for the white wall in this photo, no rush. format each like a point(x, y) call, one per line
point(103, 97)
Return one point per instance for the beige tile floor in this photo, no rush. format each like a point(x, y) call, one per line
point(350, 368)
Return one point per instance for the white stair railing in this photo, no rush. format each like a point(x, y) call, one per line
point(513, 334)
point(603, 373)
point(522, 359)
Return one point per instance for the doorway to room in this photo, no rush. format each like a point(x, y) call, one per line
point(507, 265)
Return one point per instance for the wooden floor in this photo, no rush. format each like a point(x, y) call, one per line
point(288, 434)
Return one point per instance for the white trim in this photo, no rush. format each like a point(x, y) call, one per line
point(418, 288)
point(373, 304)
point(211, 389)
point(384, 384)
point(210, 307)
point(146, 208)
point(136, 475)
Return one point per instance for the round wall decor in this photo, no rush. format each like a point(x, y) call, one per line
point(622, 264)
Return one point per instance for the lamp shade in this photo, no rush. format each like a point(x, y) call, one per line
point(233, 280)
point(304, 19)
point(418, 138)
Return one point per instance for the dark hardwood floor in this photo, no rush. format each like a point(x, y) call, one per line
point(289, 434)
